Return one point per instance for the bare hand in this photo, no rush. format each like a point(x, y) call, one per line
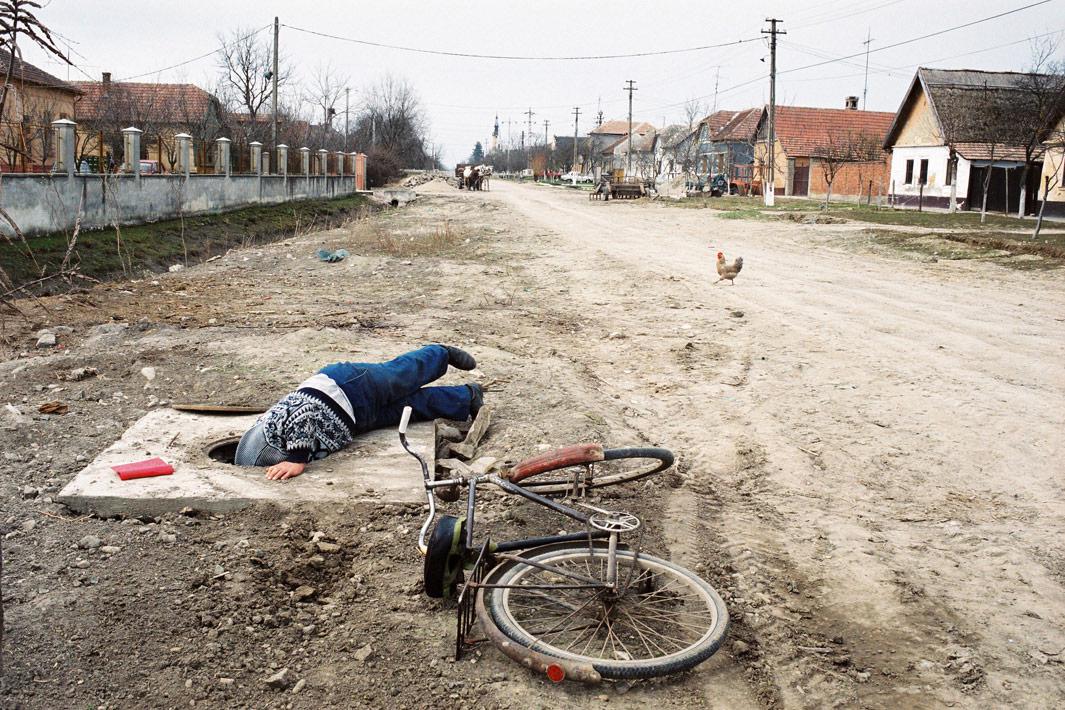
point(285, 470)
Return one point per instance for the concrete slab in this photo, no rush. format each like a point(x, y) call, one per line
point(375, 468)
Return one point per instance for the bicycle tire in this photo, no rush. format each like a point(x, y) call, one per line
point(537, 484)
point(444, 558)
point(500, 610)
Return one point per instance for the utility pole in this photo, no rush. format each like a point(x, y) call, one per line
point(529, 114)
point(373, 131)
point(599, 112)
point(865, 89)
point(576, 118)
point(510, 144)
point(273, 94)
point(347, 107)
point(768, 186)
point(546, 124)
point(630, 88)
point(717, 77)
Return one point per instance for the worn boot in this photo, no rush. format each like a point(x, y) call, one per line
point(456, 357)
point(476, 399)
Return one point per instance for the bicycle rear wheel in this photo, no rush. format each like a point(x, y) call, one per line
point(664, 620)
point(617, 466)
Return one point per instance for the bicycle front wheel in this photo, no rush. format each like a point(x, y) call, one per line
point(617, 466)
point(664, 619)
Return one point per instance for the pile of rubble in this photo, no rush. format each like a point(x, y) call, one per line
point(416, 179)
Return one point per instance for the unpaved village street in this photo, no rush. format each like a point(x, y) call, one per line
point(870, 460)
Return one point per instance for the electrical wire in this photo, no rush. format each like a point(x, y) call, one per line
point(518, 57)
point(196, 59)
point(862, 53)
point(915, 39)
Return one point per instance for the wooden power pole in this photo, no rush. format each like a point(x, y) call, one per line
point(630, 88)
point(768, 187)
point(576, 118)
point(273, 96)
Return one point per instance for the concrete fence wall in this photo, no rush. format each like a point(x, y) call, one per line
point(40, 204)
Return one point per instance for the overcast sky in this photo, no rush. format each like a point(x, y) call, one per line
point(463, 95)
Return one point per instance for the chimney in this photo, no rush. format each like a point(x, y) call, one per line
point(107, 77)
point(852, 103)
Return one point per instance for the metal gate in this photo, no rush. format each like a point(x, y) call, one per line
point(800, 181)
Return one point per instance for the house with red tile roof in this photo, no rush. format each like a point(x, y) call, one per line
point(35, 98)
point(823, 149)
point(160, 110)
point(609, 142)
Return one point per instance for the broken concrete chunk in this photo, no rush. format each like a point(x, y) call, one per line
point(328, 547)
point(280, 679)
point(304, 592)
point(483, 465)
point(363, 654)
point(89, 542)
point(477, 431)
point(148, 372)
point(46, 340)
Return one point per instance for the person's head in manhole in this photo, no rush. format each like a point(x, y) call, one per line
point(348, 398)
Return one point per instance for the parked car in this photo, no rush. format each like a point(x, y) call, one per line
point(575, 177)
point(151, 167)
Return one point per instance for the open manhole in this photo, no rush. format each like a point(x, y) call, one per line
point(224, 450)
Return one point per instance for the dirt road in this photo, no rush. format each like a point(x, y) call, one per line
point(880, 439)
point(870, 460)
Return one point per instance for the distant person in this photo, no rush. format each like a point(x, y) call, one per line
point(346, 399)
point(110, 163)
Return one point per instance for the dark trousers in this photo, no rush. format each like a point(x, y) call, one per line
point(378, 392)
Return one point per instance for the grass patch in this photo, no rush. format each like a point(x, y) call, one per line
point(105, 254)
point(749, 207)
point(1005, 248)
point(439, 241)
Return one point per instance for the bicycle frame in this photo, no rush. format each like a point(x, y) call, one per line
point(502, 549)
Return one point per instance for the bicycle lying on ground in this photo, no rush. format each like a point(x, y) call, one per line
point(584, 606)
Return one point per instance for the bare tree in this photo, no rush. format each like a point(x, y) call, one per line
point(694, 111)
point(1054, 176)
point(1042, 102)
point(325, 90)
point(246, 63)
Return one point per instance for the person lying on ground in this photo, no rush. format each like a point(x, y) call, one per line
point(346, 399)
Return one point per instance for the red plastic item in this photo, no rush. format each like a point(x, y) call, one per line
point(143, 469)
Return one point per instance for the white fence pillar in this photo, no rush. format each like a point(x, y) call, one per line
point(221, 156)
point(282, 159)
point(184, 153)
point(256, 157)
point(340, 163)
point(305, 160)
point(131, 151)
point(323, 162)
point(64, 146)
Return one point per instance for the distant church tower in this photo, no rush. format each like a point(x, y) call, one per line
point(493, 142)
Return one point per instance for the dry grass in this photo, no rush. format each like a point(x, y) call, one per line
point(441, 240)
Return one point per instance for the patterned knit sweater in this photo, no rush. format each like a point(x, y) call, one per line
point(306, 427)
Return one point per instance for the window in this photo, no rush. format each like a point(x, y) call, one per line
point(909, 172)
point(924, 171)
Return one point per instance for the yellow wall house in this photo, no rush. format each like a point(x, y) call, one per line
point(160, 111)
point(35, 98)
point(1054, 172)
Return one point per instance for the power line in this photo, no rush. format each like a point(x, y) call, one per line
point(860, 54)
point(916, 39)
point(521, 57)
point(196, 59)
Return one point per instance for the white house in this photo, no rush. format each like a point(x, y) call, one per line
point(947, 111)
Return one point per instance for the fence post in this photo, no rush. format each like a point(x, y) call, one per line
point(340, 163)
point(305, 161)
point(351, 162)
point(360, 171)
point(266, 162)
point(64, 146)
point(221, 156)
point(282, 159)
point(323, 162)
point(184, 153)
point(131, 151)
point(256, 157)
